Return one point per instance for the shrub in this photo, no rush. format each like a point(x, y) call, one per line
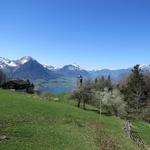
point(112, 102)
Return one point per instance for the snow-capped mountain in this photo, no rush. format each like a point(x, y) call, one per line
point(72, 70)
point(13, 64)
point(8, 65)
point(145, 68)
point(70, 67)
point(25, 67)
point(24, 60)
point(74, 67)
point(7, 62)
point(33, 70)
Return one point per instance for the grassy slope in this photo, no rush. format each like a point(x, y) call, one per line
point(144, 131)
point(33, 124)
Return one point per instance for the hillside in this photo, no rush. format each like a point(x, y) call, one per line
point(30, 122)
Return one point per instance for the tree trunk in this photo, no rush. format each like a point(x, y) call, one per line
point(79, 101)
point(84, 105)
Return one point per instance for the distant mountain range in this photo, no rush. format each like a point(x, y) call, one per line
point(28, 68)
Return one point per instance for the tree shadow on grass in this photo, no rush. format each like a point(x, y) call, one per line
point(97, 111)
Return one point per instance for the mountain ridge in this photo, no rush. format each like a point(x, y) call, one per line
point(29, 68)
point(51, 79)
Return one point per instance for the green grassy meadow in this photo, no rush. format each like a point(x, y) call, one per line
point(31, 122)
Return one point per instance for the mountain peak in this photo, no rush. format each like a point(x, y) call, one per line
point(73, 67)
point(7, 62)
point(25, 59)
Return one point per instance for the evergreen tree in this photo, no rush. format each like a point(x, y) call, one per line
point(135, 91)
point(102, 83)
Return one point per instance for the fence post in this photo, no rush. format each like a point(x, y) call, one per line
point(128, 128)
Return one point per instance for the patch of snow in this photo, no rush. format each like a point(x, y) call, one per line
point(13, 64)
point(74, 67)
point(24, 59)
point(1, 66)
point(6, 62)
point(142, 66)
point(49, 67)
point(145, 67)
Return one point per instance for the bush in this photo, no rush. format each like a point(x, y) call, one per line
point(112, 102)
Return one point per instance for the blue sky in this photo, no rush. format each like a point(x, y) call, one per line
point(92, 33)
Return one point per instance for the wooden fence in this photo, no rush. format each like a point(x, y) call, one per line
point(134, 135)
